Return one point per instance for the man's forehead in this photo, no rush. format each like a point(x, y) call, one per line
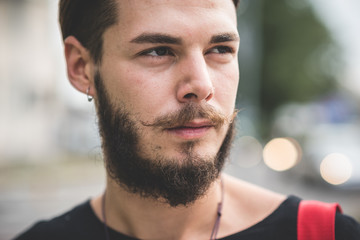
point(143, 4)
point(174, 17)
point(158, 7)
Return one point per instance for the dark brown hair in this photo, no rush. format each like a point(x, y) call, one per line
point(87, 20)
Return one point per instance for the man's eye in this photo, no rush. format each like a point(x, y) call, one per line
point(222, 50)
point(158, 52)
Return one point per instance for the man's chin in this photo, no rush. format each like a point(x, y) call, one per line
point(189, 156)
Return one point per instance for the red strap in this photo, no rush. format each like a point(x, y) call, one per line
point(316, 220)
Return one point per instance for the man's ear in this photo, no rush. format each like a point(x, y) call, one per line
point(80, 65)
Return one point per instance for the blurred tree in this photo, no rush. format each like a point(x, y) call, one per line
point(298, 56)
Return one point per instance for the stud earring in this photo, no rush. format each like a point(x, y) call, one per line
point(89, 97)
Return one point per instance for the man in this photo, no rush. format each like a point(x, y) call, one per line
point(163, 75)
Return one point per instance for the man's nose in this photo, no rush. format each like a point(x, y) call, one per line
point(195, 83)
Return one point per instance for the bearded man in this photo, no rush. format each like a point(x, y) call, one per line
point(163, 75)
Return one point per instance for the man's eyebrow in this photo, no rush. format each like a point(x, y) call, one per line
point(224, 37)
point(156, 38)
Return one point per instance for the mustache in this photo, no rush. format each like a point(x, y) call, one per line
point(189, 112)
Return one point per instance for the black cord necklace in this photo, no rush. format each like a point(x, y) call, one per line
point(213, 232)
point(219, 212)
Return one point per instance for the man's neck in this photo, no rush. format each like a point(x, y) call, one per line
point(147, 218)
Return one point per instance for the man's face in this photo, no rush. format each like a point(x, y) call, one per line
point(161, 59)
point(151, 76)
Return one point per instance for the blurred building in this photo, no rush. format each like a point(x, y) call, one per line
point(40, 115)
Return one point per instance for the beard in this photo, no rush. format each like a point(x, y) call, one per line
point(167, 180)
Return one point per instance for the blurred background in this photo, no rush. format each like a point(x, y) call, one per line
point(298, 128)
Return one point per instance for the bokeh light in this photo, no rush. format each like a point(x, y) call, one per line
point(336, 168)
point(281, 154)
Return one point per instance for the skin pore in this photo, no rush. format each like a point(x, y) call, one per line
point(159, 57)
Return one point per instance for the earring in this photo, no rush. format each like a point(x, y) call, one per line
point(89, 97)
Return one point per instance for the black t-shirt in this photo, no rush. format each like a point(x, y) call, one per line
point(81, 223)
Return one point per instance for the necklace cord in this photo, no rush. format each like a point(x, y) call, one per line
point(219, 213)
point(213, 232)
point(107, 237)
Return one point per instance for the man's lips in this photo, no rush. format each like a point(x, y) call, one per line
point(194, 124)
point(191, 130)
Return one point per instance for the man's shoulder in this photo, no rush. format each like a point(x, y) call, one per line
point(346, 227)
point(278, 224)
point(255, 211)
point(251, 200)
point(278, 214)
point(72, 224)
